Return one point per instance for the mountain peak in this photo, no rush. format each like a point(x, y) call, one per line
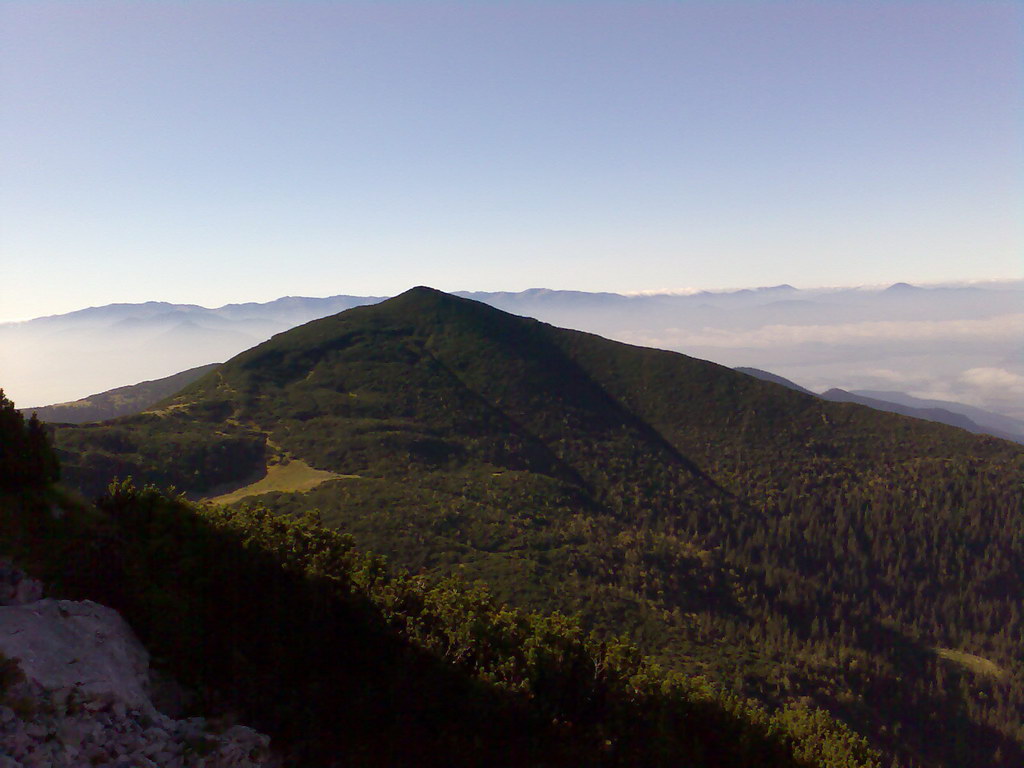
point(422, 295)
point(423, 290)
point(423, 304)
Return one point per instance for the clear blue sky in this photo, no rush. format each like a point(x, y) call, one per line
point(213, 152)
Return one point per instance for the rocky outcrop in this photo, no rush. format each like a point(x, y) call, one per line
point(78, 649)
point(47, 729)
point(75, 691)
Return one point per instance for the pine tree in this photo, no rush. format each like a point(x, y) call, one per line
point(27, 459)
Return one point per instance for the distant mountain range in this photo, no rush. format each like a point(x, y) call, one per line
point(984, 419)
point(789, 547)
point(959, 415)
point(943, 411)
point(957, 344)
point(60, 358)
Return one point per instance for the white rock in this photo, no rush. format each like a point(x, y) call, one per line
point(82, 645)
point(86, 682)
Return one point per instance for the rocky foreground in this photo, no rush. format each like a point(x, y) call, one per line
point(75, 691)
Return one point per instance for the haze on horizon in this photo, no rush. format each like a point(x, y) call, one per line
point(224, 152)
point(959, 343)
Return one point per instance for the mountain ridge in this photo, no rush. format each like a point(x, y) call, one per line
point(122, 401)
point(980, 416)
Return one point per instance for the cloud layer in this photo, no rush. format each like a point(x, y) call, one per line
point(1000, 329)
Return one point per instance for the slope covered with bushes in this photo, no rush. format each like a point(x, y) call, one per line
point(285, 623)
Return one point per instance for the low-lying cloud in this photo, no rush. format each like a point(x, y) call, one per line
point(994, 378)
point(870, 332)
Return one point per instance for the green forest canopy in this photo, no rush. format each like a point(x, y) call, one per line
point(789, 548)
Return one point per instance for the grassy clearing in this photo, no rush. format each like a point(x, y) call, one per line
point(977, 664)
point(295, 475)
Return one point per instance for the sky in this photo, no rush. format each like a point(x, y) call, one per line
point(205, 152)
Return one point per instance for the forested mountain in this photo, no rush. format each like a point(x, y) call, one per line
point(791, 548)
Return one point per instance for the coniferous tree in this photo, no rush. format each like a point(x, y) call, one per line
point(27, 459)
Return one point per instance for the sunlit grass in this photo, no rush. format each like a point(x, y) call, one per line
point(977, 664)
point(293, 476)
